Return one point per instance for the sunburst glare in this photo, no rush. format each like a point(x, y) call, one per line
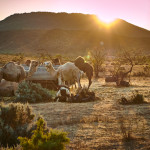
point(107, 22)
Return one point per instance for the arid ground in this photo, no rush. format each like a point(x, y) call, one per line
point(103, 124)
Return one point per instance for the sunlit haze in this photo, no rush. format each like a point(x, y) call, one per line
point(134, 11)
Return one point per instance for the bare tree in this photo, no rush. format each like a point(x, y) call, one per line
point(127, 57)
point(97, 57)
point(44, 57)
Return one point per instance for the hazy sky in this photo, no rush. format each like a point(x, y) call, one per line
point(133, 11)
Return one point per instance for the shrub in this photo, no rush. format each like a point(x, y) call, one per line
point(83, 95)
point(33, 92)
point(138, 99)
point(139, 74)
point(145, 72)
point(42, 139)
point(15, 120)
point(135, 99)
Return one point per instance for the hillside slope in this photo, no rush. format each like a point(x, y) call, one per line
point(67, 33)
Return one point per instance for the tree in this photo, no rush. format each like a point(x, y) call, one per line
point(127, 57)
point(45, 56)
point(97, 57)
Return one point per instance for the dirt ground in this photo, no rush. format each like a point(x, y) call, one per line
point(104, 123)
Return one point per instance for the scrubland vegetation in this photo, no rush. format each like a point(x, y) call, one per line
point(118, 116)
point(118, 119)
point(15, 120)
point(17, 125)
point(33, 93)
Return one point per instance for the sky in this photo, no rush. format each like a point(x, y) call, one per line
point(134, 11)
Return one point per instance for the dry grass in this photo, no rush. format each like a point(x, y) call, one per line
point(97, 125)
point(5, 58)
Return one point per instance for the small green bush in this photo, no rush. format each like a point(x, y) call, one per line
point(15, 120)
point(42, 139)
point(33, 93)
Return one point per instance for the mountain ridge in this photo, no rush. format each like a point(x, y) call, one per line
point(67, 33)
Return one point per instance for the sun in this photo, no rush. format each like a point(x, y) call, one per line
point(107, 20)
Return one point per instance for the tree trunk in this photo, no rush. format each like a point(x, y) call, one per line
point(96, 70)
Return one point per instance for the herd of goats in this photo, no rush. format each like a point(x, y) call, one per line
point(66, 74)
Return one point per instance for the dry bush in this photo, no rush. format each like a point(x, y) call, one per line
point(135, 99)
point(145, 72)
point(15, 120)
point(83, 95)
point(97, 57)
point(119, 72)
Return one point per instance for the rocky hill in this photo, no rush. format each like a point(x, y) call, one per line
point(72, 34)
